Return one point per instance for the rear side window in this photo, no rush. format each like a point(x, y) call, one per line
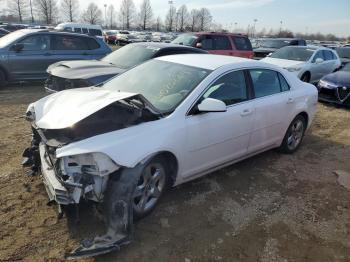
point(85, 30)
point(266, 82)
point(283, 83)
point(242, 43)
point(92, 43)
point(222, 43)
point(95, 32)
point(66, 42)
point(215, 43)
point(231, 88)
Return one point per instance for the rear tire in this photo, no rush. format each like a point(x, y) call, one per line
point(294, 135)
point(306, 77)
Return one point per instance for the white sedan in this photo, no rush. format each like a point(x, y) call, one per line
point(309, 63)
point(163, 123)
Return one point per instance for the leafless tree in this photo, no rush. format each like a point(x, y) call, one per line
point(110, 16)
point(47, 10)
point(204, 19)
point(146, 14)
point(18, 8)
point(194, 17)
point(69, 9)
point(92, 14)
point(158, 24)
point(170, 19)
point(31, 11)
point(127, 13)
point(183, 17)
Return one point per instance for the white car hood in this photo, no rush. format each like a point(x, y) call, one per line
point(284, 63)
point(64, 109)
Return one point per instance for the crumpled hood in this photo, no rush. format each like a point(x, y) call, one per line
point(64, 109)
point(339, 78)
point(284, 63)
point(83, 69)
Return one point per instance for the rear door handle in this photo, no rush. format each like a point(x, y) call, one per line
point(246, 112)
point(290, 100)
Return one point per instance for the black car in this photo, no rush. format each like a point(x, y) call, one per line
point(344, 54)
point(335, 87)
point(270, 45)
point(75, 74)
point(3, 32)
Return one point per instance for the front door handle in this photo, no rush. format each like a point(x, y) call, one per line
point(47, 54)
point(246, 112)
point(290, 100)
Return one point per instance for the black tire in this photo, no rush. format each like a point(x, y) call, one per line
point(293, 137)
point(157, 164)
point(3, 81)
point(306, 77)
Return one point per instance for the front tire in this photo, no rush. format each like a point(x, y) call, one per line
point(154, 180)
point(294, 135)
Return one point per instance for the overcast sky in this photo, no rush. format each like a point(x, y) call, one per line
point(297, 15)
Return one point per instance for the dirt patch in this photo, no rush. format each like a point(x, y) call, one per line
point(271, 207)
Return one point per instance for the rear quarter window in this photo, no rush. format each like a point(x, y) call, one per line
point(242, 43)
point(92, 43)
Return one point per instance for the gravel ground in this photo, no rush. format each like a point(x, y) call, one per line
point(268, 208)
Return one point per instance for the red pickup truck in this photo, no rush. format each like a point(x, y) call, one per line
point(218, 43)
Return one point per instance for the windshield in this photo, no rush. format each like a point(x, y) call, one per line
point(165, 85)
point(271, 43)
point(130, 55)
point(293, 53)
point(185, 39)
point(343, 52)
point(10, 38)
point(346, 67)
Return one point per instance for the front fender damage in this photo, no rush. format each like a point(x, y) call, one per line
point(118, 208)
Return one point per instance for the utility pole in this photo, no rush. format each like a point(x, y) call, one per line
point(281, 22)
point(105, 5)
point(255, 20)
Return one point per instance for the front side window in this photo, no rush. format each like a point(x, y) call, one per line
point(77, 30)
point(207, 43)
point(319, 54)
point(266, 82)
point(164, 84)
point(35, 43)
point(95, 32)
point(230, 89)
point(66, 42)
point(328, 55)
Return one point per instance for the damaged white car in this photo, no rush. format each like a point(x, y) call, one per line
point(160, 124)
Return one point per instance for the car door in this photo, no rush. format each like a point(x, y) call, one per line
point(218, 137)
point(216, 44)
point(318, 69)
point(331, 62)
point(70, 47)
point(273, 106)
point(33, 59)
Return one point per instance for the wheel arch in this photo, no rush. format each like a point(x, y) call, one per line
point(305, 116)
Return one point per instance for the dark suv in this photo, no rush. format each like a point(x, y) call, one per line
point(26, 54)
point(270, 45)
point(218, 43)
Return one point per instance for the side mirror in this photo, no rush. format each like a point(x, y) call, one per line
point(319, 61)
point(212, 105)
point(199, 45)
point(17, 47)
point(269, 55)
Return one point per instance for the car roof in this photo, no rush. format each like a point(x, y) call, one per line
point(207, 61)
point(170, 45)
point(32, 31)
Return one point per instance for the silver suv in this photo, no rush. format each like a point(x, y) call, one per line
point(26, 54)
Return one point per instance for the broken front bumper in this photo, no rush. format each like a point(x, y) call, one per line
point(54, 188)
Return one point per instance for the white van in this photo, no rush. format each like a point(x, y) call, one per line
point(95, 30)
